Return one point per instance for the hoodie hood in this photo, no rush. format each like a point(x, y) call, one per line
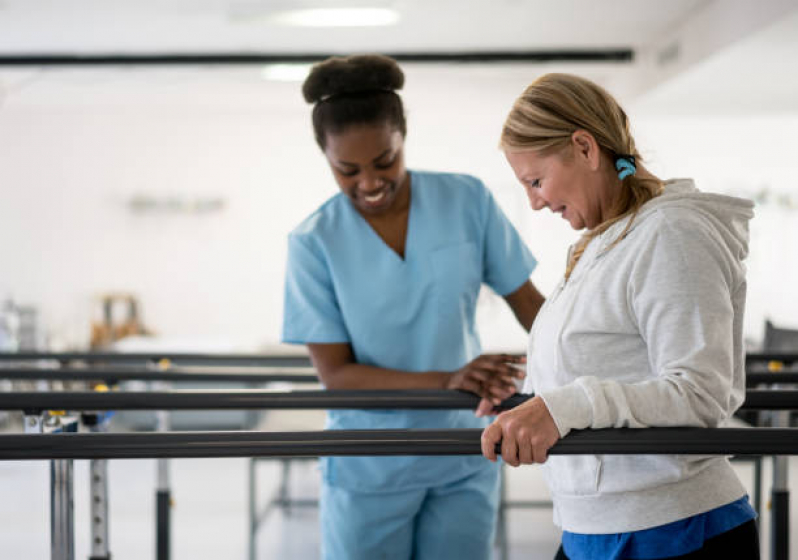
point(727, 215)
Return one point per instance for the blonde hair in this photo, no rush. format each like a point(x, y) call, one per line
point(543, 120)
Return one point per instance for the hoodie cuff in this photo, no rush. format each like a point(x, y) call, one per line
point(569, 407)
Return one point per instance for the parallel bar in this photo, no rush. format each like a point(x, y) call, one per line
point(115, 374)
point(752, 379)
point(149, 357)
point(650, 441)
point(759, 357)
point(243, 374)
point(163, 59)
point(300, 400)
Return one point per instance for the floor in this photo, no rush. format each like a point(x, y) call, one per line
point(209, 514)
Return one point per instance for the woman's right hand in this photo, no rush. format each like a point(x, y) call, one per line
point(491, 376)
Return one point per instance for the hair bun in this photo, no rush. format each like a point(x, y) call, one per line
point(352, 74)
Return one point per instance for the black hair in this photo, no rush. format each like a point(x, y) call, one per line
point(352, 90)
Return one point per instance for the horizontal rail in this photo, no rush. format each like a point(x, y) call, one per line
point(614, 55)
point(237, 374)
point(116, 374)
point(296, 400)
point(668, 441)
point(775, 378)
point(151, 357)
point(759, 357)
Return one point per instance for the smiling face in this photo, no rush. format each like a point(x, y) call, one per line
point(368, 164)
point(572, 182)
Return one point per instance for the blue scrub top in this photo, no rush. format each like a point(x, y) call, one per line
point(345, 285)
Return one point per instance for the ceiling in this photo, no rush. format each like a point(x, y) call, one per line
point(690, 56)
point(146, 26)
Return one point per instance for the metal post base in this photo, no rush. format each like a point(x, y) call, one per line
point(163, 506)
point(780, 525)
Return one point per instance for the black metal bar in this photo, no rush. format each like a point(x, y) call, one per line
point(163, 506)
point(116, 374)
point(298, 400)
point(650, 441)
point(759, 378)
point(780, 525)
point(244, 374)
point(616, 55)
point(759, 357)
point(243, 399)
point(770, 400)
point(152, 357)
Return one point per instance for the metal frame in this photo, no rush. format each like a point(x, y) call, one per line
point(98, 488)
point(62, 502)
point(116, 374)
point(243, 374)
point(411, 399)
point(64, 447)
point(618, 55)
point(174, 358)
point(325, 443)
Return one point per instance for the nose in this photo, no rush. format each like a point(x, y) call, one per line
point(370, 182)
point(535, 200)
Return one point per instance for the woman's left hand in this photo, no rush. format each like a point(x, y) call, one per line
point(526, 434)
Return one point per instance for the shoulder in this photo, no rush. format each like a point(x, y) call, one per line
point(451, 187)
point(679, 224)
point(679, 242)
point(322, 222)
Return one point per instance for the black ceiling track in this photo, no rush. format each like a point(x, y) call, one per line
point(178, 59)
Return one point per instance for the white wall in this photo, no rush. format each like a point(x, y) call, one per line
point(76, 146)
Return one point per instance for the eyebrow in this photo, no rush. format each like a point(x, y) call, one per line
point(379, 157)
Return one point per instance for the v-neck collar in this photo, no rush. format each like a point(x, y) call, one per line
point(412, 210)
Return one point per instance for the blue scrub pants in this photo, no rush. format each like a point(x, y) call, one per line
point(455, 521)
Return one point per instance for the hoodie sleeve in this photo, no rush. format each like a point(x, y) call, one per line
point(681, 293)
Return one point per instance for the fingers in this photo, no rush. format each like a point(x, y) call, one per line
point(502, 364)
point(527, 432)
point(485, 408)
point(490, 437)
point(510, 450)
point(526, 455)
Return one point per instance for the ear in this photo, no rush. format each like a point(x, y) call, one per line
point(586, 149)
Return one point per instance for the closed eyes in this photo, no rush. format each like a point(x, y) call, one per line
point(354, 171)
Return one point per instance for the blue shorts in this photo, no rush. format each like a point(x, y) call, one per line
point(455, 521)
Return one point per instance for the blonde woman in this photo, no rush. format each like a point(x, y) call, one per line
point(645, 329)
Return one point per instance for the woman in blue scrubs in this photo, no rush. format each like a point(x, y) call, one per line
point(381, 285)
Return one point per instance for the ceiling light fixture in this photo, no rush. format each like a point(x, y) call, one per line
point(338, 17)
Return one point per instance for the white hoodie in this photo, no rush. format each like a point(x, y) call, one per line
point(646, 333)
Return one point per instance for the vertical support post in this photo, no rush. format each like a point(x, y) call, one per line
point(163, 497)
point(780, 499)
point(501, 522)
point(285, 488)
point(62, 527)
point(98, 487)
point(62, 503)
point(253, 509)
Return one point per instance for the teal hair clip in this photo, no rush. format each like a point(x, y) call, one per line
point(625, 166)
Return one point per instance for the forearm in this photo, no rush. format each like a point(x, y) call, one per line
point(361, 376)
point(525, 303)
point(667, 401)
